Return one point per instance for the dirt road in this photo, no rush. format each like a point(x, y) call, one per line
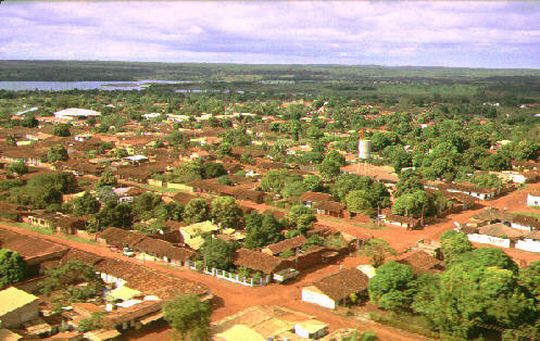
point(232, 298)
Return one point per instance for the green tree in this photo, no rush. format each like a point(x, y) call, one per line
point(313, 183)
point(61, 130)
point(409, 182)
point(95, 321)
point(188, 172)
point(411, 204)
point(12, 267)
point(377, 250)
point(346, 183)
point(359, 201)
point(481, 288)
point(392, 286)
point(117, 215)
point(57, 153)
point(226, 212)
point(529, 278)
point(454, 244)
point(487, 181)
point(196, 211)
point(331, 165)
point(67, 280)
point(217, 253)
point(261, 230)
point(86, 204)
point(18, 167)
point(213, 170)
point(107, 178)
point(144, 205)
point(301, 217)
point(189, 317)
point(29, 121)
point(293, 188)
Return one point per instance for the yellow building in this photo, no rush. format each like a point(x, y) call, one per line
point(17, 307)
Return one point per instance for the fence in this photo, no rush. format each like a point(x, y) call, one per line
point(231, 277)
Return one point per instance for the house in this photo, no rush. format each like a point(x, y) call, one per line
point(431, 247)
point(34, 251)
point(421, 262)
point(258, 261)
point(17, 308)
point(164, 251)
point(82, 137)
point(119, 238)
point(135, 315)
point(310, 198)
point(30, 155)
point(496, 234)
point(331, 208)
point(474, 191)
point(533, 198)
point(524, 222)
point(127, 194)
point(211, 186)
point(76, 114)
point(263, 323)
point(288, 244)
point(530, 242)
point(311, 329)
point(55, 222)
point(519, 177)
point(249, 195)
point(515, 221)
point(194, 234)
point(8, 335)
point(146, 280)
point(402, 221)
point(136, 160)
point(336, 289)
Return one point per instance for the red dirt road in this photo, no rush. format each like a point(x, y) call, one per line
point(232, 298)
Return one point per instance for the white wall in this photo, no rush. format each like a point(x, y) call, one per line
point(528, 245)
point(308, 295)
point(482, 238)
point(520, 227)
point(533, 200)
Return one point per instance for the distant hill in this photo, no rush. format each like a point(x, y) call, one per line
point(44, 70)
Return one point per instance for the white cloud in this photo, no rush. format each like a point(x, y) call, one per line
point(273, 32)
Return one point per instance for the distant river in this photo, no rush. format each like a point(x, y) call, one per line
point(83, 85)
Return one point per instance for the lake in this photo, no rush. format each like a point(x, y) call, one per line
point(83, 85)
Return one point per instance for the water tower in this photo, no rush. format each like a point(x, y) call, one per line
point(364, 146)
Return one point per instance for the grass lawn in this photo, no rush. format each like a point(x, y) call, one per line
point(530, 214)
point(161, 189)
point(48, 232)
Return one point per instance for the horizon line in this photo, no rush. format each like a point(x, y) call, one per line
point(272, 64)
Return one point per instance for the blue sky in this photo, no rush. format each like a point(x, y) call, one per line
point(472, 34)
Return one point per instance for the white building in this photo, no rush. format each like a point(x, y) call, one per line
point(76, 113)
point(336, 289)
point(533, 199)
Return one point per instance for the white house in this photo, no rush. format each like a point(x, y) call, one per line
point(311, 329)
point(533, 199)
point(76, 113)
point(336, 289)
point(530, 242)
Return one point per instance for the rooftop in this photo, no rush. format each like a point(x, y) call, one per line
point(13, 299)
point(76, 112)
point(342, 284)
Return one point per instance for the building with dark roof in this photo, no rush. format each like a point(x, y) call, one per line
point(336, 289)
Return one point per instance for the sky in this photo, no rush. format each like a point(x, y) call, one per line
point(493, 34)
